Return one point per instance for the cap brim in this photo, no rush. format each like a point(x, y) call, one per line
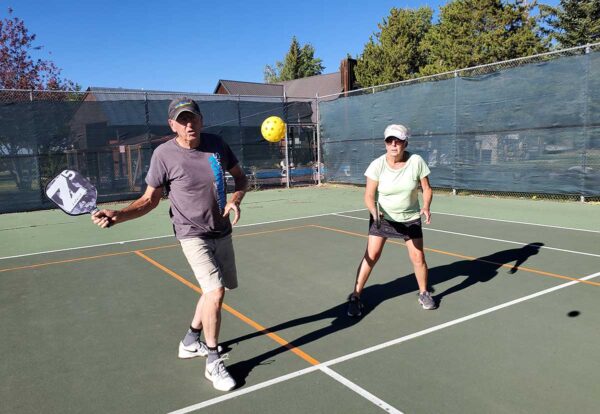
point(182, 110)
point(392, 136)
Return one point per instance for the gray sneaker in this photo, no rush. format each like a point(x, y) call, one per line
point(218, 374)
point(426, 301)
point(355, 306)
point(194, 350)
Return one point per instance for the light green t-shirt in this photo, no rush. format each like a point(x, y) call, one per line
point(397, 191)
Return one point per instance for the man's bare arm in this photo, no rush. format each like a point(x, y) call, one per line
point(143, 205)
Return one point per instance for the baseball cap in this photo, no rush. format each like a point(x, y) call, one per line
point(183, 104)
point(397, 131)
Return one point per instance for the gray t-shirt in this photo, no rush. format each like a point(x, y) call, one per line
point(195, 182)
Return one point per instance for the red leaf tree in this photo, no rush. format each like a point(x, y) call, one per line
point(18, 69)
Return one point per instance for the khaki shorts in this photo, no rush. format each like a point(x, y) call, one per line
point(213, 262)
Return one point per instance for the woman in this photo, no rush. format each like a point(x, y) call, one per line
point(394, 179)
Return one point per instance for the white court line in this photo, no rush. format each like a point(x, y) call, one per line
point(456, 321)
point(379, 347)
point(485, 238)
point(360, 391)
point(326, 370)
point(279, 221)
point(516, 222)
point(83, 247)
point(168, 235)
point(243, 391)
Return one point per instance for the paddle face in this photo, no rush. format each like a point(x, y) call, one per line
point(72, 192)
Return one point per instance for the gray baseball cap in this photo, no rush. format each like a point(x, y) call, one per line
point(183, 104)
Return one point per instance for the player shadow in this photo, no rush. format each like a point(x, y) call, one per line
point(478, 270)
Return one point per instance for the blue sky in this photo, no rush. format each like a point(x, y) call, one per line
point(189, 46)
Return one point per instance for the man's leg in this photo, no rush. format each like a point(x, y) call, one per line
point(200, 255)
point(211, 320)
point(209, 313)
point(197, 320)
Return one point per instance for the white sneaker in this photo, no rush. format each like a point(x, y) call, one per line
point(196, 349)
point(218, 374)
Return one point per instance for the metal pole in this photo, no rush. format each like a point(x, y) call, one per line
point(147, 116)
point(318, 142)
point(586, 130)
point(287, 160)
point(241, 131)
point(287, 156)
point(455, 143)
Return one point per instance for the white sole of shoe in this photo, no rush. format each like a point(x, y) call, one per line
point(427, 308)
point(183, 354)
point(218, 387)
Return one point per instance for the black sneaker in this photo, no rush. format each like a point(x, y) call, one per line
point(355, 307)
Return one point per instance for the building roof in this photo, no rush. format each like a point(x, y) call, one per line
point(96, 93)
point(309, 87)
point(250, 88)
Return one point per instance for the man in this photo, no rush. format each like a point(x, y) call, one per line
point(190, 169)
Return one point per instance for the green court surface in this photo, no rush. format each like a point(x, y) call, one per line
point(91, 318)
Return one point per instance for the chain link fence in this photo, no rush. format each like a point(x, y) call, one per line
point(527, 127)
point(109, 135)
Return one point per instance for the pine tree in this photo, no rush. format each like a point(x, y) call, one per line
point(573, 22)
point(299, 62)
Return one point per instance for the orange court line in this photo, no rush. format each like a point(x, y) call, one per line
point(235, 313)
point(77, 259)
point(526, 269)
point(272, 231)
point(137, 250)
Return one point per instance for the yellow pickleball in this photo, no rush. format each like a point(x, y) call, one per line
point(273, 129)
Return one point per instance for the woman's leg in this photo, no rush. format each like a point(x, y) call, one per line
point(417, 257)
point(372, 254)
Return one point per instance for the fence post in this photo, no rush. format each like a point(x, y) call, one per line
point(287, 155)
point(318, 141)
point(147, 116)
point(586, 122)
point(454, 138)
point(240, 129)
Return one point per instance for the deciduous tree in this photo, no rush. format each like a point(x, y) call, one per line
point(393, 54)
point(18, 69)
